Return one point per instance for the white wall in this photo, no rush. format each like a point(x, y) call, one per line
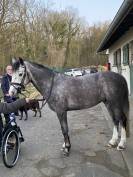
point(126, 38)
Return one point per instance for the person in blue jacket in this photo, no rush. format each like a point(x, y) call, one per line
point(5, 85)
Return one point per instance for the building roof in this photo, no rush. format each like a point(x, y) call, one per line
point(120, 24)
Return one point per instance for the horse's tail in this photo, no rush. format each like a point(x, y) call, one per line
point(126, 110)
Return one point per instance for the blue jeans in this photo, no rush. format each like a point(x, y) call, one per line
point(9, 99)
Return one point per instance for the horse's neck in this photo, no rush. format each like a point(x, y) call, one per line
point(40, 78)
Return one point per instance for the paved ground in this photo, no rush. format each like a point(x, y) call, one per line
point(89, 133)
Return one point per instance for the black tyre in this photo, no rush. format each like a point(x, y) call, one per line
point(10, 148)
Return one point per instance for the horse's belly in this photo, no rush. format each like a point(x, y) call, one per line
point(81, 102)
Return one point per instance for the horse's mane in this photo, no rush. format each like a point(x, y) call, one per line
point(40, 66)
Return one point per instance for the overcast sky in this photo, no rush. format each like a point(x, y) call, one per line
point(92, 10)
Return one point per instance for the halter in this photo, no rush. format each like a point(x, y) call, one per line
point(20, 85)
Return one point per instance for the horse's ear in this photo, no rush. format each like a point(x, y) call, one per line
point(13, 60)
point(21, 61)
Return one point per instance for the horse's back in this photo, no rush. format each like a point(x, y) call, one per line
point(77, 92)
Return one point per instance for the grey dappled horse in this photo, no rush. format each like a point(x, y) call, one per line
point(65, 93)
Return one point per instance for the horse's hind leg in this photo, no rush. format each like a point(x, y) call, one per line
point(114, 114)
point(64, 127)
point(123, 123)
point(114, 140)
point(119, 118)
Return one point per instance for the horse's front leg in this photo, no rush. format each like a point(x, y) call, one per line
point(64, 127)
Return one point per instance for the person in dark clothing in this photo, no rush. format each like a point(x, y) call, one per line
point(5, 85)
point(7, 108)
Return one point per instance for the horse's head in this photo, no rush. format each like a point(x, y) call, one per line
point(19, 77)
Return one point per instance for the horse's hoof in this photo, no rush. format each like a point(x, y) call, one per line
point(109, 145)
point(65, 151)
point(20, 119)
point(121, 148)
point(25, 119)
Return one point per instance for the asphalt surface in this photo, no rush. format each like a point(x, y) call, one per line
point(89, 133)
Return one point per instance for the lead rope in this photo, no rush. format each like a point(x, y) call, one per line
point(44, 101)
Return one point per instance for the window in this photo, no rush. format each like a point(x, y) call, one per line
point(126, 54)
point(117, 58)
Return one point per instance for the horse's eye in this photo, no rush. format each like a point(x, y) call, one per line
point(20, 74)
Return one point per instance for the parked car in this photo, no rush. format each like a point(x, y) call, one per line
point(68, 72)
point(93, 70)
point(89, 71)
point(73, 72)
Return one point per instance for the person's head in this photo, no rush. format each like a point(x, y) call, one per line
point(9, 70)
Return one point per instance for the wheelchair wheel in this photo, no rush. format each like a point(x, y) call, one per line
point(10, 148)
